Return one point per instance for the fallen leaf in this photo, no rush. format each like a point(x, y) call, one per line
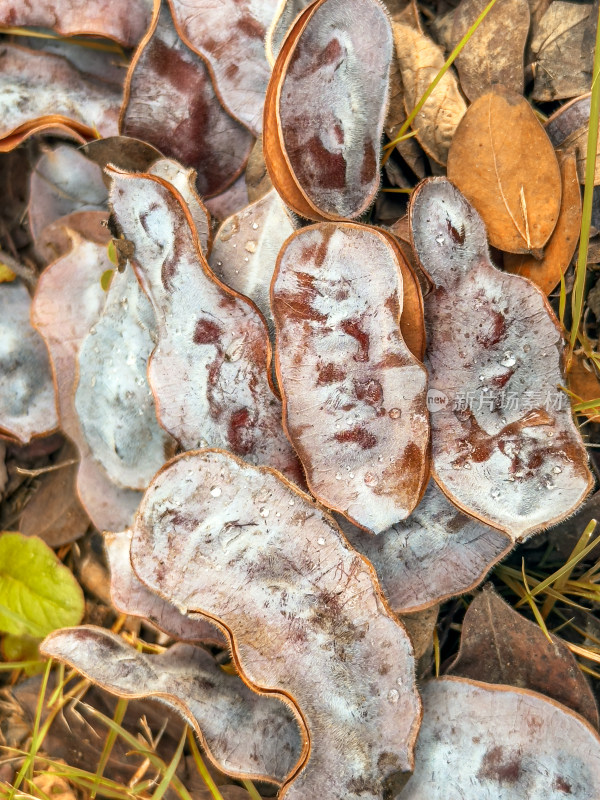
point(499, 645)
point(494, 54)
point(130, 596)
point(53, 511)
point(113, 400)
point(354, 395)
point(420, 626)
point(187, 122)
point(322, 148)
point(220, 33)
point(335, 651)
point(503, 162)
point(252, 736)
point(67, 302)
point(435, 554)
point(563, 241)
point(37, 593)
point(210, 337)
point(504, 445)
point(56, 239)
point(563, 46)
point(496, 742)
point(256, 176)
point(568, 130)
point(27, 399)
point(420, 60)
point(230, 201)
point(124, 152)
point(583, 382)
point(246, 248)
point(124, 24)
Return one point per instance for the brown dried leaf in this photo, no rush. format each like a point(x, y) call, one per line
point(583, 382)
point(564, 48)
point(326, 107)
point(568, 129)
point(123, 23)
point(250, 736)
point(113, 400)
point(504, 446)
point(213, 339)
point(494, 54)
point(256, 176)
point(561, 245)
point(130, 596)
point(499, 645)
point(311, 624)
point(68, 301)
point(42, 88)
point(502, 161)
point(481, 741)
point(27, 398)
point(56, 239)
point(420, 61)
point(354, 396)
point(186, 122)
point(435, 554)
point(230, 201)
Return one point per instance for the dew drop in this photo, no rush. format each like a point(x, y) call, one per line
point(508, 359)
point(292, 502)
point(467, 465)
point(350, 474)
point(321, 540)
point(246, 259)
point(216, 491)
point(264, 511)
point(393, 695)
point(394, 413)
point(440, 238)
point(481, 377)
point(255, 226)
point(338, 476)
point(556, 470)
point(219, 263)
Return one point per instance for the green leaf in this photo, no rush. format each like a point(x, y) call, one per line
point(37, 592)
point(106, 278)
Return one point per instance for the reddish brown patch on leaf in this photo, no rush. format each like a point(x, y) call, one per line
point(499, 766)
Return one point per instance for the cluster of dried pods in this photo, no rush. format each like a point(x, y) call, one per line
point(251, 407)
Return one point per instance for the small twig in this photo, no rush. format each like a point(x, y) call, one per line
point(34, 473)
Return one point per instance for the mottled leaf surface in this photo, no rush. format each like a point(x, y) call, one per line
point(170, 102)
point(504, 446)
point(483, 742)
point(113, 399)
point(435, 554)
point(354, 395)
point(210, 338)
point(27, 398)
point(130, 596)
point(311, 622)
point(68, 301)
point(243, 733)
point(499, 645)
point(328, 100)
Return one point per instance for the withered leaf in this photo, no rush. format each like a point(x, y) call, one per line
point(56, 239)
point(311, 623)
point(564, 49)
point(496, 741)
point(113, 400)
point(124, 152)
point(583, 382)
point(186, 122)
point(354, 395)
point(211, 338)
point(499, 645)
point(568, 129)
point(494, 54)
point(435, 554)
point(503, 162)
point(256, 176)
point(251, 736)
point(246, 248)
point(504, 446)
point(322, 146)
point(230, 201)
point(36, 87)
point(123, 23)
point(130, 596)
point(27, 397)
point(561, 245)
point(67, 302)
point(420, 60)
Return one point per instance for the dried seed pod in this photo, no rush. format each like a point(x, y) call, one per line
point(354, 395)
point(251, 736)
point(504, 446)
point(311, 623)
point(326, 107)
point(211, 338)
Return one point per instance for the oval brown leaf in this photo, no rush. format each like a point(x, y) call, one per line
point(498, 742)
point(435, 554)
point(354, 395)
point(503, 162)
point(322, 145)
point(504, 446)
point(311, 622)
point(499, 645)
point(244, 734)
point(186, 122)
point(561, 245)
